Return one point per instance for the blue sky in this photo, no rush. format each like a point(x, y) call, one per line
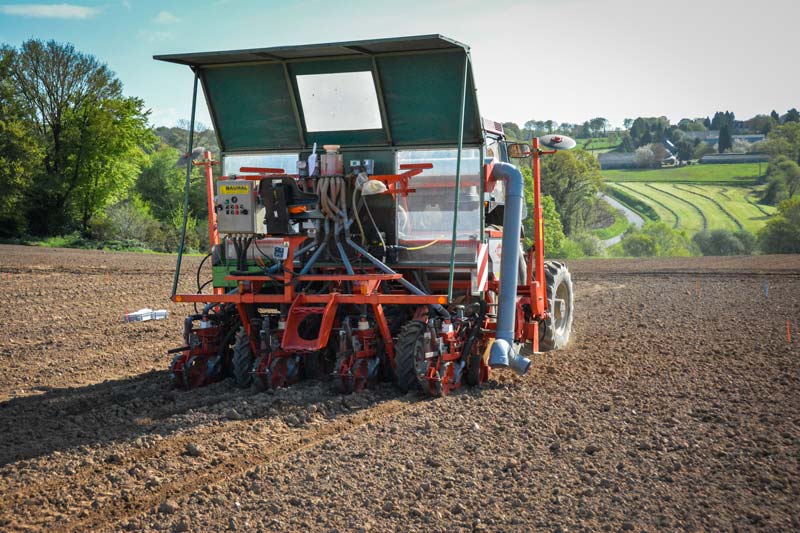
point(566, 60)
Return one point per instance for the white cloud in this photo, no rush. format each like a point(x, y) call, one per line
point(49, 11)
point(165, 17)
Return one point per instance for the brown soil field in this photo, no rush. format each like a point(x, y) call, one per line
point(675, 406)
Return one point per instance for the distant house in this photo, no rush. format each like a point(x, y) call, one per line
point(712, 136)
point(669, 160)
point(615, 160)
point(734, 158)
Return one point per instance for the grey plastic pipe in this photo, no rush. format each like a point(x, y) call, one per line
point(502, 353)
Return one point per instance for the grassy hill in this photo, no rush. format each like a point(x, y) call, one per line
point(696, 197)
point(694, 207)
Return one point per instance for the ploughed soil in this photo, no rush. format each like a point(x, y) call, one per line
point(675, 406)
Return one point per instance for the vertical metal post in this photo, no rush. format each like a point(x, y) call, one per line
point(540, 305)
point(458, 180)
point(186, 188)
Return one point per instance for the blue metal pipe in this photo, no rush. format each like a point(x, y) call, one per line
point(502, 353)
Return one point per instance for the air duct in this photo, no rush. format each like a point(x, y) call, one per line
point(502, 353)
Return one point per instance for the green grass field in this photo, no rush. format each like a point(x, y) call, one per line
point(693, 207)
point(597, 144)
point(743, 174)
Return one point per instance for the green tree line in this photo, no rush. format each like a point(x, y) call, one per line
point(78, 157)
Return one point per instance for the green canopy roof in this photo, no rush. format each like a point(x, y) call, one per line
point(406, 92)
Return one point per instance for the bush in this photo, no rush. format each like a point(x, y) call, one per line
point(656, 239)
point(645, 158)
point(589, 244)
point(173, 231)
point(724, 242)
point(640, 245)
point(130, 220)
point(569, 250)
point(641, 207)
point(781, 234)
point(702, 149)
point(748, 240)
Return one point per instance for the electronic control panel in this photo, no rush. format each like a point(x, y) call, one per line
point(238, 207)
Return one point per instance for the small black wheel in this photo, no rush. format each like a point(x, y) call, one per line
point(557, 327)
point(242, 360)
point(408, 351)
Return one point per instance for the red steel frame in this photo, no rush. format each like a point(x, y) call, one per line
point(532, 293)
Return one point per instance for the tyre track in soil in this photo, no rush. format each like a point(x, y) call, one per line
point(172, 448)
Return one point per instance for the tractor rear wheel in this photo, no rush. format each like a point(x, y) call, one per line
point(556, 328)
point(242, 360)
point(409, 348)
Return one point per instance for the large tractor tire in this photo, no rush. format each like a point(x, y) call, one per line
point(558, 325)
point(242, 360)
point(408, 349)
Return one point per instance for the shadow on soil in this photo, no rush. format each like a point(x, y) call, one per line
point(122, 410)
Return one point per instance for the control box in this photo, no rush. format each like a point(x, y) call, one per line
point(239, 208)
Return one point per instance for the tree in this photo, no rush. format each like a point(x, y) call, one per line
point(640, 245)
point(19, 154)
point(512, 131)
point(722, 118)
point(656, 239)
point(572, 179)
point(598, 125)
point(781, 234)
point(701, 149)
point(725, 142)
point(785, 140)
point(761, 123)
point(723, 242)
point(775, 116)
point(793, 115)
point(161, 184)
point(685, 149)
point(789, 172)
point(627, 123)
point(89, 133)
point(659, 153)
point(645, 158)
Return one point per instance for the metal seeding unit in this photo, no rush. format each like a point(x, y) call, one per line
point(366, 223)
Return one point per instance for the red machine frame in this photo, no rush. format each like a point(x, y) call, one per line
point(531, 295)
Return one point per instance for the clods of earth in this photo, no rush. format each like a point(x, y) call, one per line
point(675, 406)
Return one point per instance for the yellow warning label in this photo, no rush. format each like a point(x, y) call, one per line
point(234, 189)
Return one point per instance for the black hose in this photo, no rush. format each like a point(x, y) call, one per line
point(201, 287)
point(199, 269)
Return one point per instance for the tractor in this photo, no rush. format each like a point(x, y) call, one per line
point(365, 223)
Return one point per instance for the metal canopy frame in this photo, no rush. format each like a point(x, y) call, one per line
point(255, 105)
point(414, 43)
